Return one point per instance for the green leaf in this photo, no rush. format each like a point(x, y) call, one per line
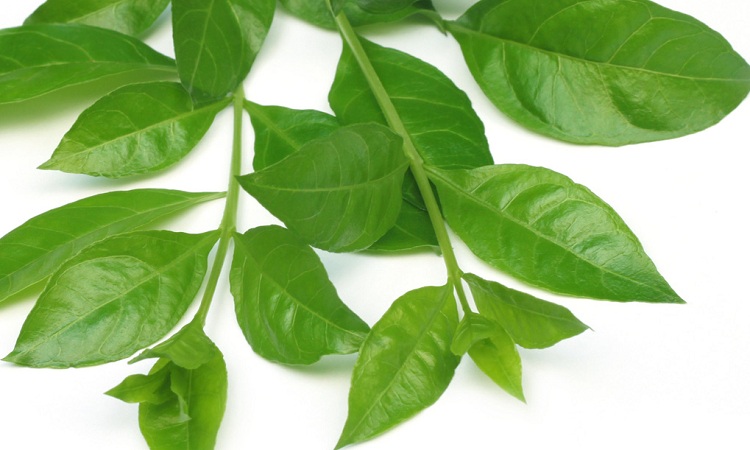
point(340, 193)
point(280, 131)
point(38, 59)
point(498, 357)
point(125, 16)
point(34, 250)
point(317, 12)
point(216, 42)
point(114, 298)
point(404, 365)
point(286, 306)
point(632, 72)
point(472, 329)
point(544, 229)
point(152, 388)
point(436, 114)
point(189, 348)
point(412, 231)
point(142, 128)
point(530, 322)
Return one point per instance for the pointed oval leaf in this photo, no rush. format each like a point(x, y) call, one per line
point(216, 42)
point(437, 115)
point(34, 250)
point(318, 13)
point(125, 16)
point(152, 388)
point(544, 229)
point(638, 72)
point(137, 129)
point(498, 357)
point(114, 298)
point(404, 365)
point(38, 59)
point(530, 322)
point(340, 193)
point(286, 306)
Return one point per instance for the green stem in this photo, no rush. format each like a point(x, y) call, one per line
point(415, 160)
point(229, 219)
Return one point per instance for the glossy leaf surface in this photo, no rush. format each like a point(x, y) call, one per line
point(498, 357)
point(38, 59)
point(341, 192)
point(404, 365)
point(34, 250)
point(216, 42)
point(114, 298)
point(546, 230)
point(286, 306)
point(317, 12)
point(412, 231)
point(634, 72)
point(137, 129)
point(530, 322)
point(125, 16)
point(437, 115)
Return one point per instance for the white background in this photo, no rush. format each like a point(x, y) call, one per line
point(650, 376)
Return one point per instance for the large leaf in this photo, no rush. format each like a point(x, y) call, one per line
point(543, 228)
point(437, 115)
point(341, 192)
point(34, 250)
point(317, 12)
point(216, 42)
point(404, 365)
point(137, 129)
point(498, 357)
point(632, 71)
point(114, 298)
point(286, 306)
point(530, 322)
point(38, 59)
point(125, 16)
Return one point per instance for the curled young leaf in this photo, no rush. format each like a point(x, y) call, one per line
point(189, 348)
point(38, 59)
point(544, 229)
point(31, 252)
point(498, 357)
point(634, 72)
point(472, 329)
point(214, 61)
point(125, 16)
point(114, 298)
point(142, 128)
point(340, 193)
point(404, 365)
point(286, 306)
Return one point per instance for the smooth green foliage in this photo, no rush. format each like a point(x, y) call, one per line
point(472, 329)
point(216, 42)
point(498, 357)
point(317, 12)
point(113, 298)
point(383, 6)
point(544, 229)
point(635, 72)
point(38, 59)
point(125, 16)
point(189, 348)
point(286, 306)
point(412, 231)
point(341, 192)
point(404, 365)
point(34, 250)
point(437, 115)
point(530, 322)
point(141, 128)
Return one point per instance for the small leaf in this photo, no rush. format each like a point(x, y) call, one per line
point(437, 115)
point(279, 131)
point(216, 42)
point(472, 329)
point(530, 322)
point(115, 297)
point(125, 16)
point(544, 229)
point(404, 365)
point(287, 307)
point(339, 193)
point(152, 388)
point(189, 348)
point(137, 129)
point(412, 231)
point(31, 252)
point(317, 12)
point(634, 72)
point(38, 59)
point(498, 357)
